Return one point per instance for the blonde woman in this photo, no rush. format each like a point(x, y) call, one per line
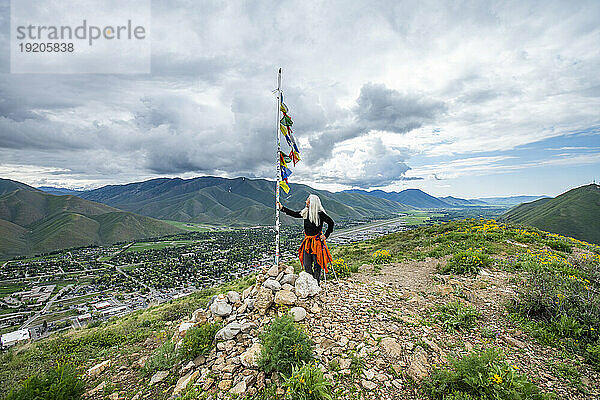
point(313, 252)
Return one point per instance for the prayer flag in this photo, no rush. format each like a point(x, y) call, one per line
point(285, 173)
point(285, 156)
point(283, 129)
point(295, 156)
point(289, 141)
point(284, 186)
point(286, 120)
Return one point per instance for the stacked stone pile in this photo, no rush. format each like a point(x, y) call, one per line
point(232, 366)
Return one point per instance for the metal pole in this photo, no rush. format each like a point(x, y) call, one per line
point(277, 255)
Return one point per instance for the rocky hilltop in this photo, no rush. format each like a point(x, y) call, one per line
point(409, 307)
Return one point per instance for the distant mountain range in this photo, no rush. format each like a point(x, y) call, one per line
point(39, 220)
point(59, 191)
point(510, 201)
point(574, 213)
point(419, 199)
point(34, 222)
point(230, 201)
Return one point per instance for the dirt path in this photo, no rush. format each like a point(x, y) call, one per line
point(379, 328)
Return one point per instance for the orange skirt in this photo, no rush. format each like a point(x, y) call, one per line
point(312, 245)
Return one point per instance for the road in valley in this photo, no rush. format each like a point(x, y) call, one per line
point(368, 226)
point(46, 307)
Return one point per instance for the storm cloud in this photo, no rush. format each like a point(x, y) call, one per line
point(377, 108)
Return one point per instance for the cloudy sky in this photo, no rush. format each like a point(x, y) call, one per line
point(469, 99)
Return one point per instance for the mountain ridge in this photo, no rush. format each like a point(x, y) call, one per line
point(573, 213)
point(35, 222)
point(225, 201)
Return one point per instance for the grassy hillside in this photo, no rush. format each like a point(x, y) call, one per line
point(35, 222)
point(229, 201)
point(574, 213)
point(8, 185)
point(14, 239)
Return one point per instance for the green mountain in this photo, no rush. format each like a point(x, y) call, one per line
point(574, 213)
point(33, 222)
point(230, 201)
point(8, 185)
point(458, 202)
point(411, 197)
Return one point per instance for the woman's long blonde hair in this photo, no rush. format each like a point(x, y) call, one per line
point(312, 211)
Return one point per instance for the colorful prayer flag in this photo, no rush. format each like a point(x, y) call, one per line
point(285, 173)
point(295, 156)
point(285, 126)
point(289, 141)
point(285, 157)
point(286, 120)
point(284, 186)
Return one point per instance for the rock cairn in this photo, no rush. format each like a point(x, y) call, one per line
point(232, 366)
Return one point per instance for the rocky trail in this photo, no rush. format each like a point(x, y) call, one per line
point(385, 319)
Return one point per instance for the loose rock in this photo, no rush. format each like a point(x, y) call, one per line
point(285, 297)
point(306, 285)
point(298, 313)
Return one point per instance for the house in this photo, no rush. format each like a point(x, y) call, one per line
point(12, 338)
point(84, 317)
point(101, 305)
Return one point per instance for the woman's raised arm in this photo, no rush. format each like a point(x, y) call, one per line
point(295, 214)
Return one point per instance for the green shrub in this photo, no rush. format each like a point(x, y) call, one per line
point(559, 305)
point(284, 346)
point(524, 238)
point(488, 332)
point(568, 305)
point(456, 316)
point(162, 358)
point(458, 396)
point(466, 262)
point(560, 246)
point(480, 375)
point(357, 365)
point(103, 338)
point(59, 383)
point(307, 383)
point(198, 340)
point(266, 393)
point(592, 355)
